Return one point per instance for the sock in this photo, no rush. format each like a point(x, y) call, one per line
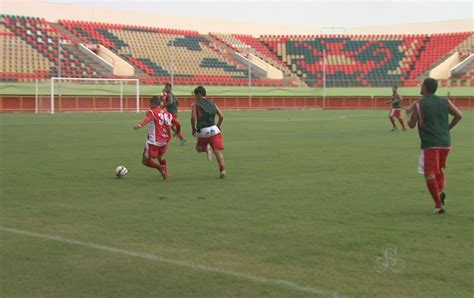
point(440, 178)
point(163, 166)
point(393, 122)
point(434, 190)
point(164, 170)
point(177, 130)
point(402, 123)
point(221, 168)
point(150, 163)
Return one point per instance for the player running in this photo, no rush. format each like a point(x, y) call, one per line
point(171, 103)
point(159, 134)
point(431, 114)
point(203, 116)
point(396, 111)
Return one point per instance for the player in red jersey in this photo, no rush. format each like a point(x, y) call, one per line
point(171, 104)
point(159, 134)
point(431, 113)
point(396, 111)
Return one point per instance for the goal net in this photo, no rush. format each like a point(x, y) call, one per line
point(87, 95)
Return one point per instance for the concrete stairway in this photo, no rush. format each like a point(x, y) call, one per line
point(88, 60)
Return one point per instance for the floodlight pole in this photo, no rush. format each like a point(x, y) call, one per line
point(59, 55)
point(172, 62)
point(324, 32)
point(324, 74)
point(121, 96)
point(52, 95)
point(249, 69)
point(59, 65)
point(138, 95)
point(36, 97)
point(250, 76)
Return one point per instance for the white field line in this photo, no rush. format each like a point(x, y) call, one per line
point(156, 258)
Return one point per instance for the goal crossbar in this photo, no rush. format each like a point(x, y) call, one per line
point(59, 79)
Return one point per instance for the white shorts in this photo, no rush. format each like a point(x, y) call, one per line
point(397, 113)
point(421, 163)
point(207, 132)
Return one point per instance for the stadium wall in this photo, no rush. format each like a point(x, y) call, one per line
point(13, 88)
point(83, 103)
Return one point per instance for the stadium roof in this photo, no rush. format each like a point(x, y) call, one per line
point(312, 17)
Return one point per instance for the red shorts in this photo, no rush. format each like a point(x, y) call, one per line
point(216, 142)
point(432, 160)
point(154, 151)
point(397, 113)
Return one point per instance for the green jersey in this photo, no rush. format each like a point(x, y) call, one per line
point(396, 104)
point(208, 113)
point(172, 105)
point(433, 122)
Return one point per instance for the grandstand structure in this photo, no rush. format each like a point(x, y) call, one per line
point(365, 60)
point(35, 49)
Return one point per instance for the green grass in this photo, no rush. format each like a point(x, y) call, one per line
point(88, 89)
point(311, 197)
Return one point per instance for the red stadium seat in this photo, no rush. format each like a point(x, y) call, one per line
point(352, 60)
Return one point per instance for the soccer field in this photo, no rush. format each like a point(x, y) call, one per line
point(315, 203)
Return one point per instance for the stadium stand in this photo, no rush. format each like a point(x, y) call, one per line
point(23, 62)
point(241, 43)
point(436, 47)
point(30, 50)
point(370, 60)
point(158, 52)
point(37, 35)
point(465, 80)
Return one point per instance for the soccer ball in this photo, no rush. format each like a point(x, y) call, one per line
point(121, 171)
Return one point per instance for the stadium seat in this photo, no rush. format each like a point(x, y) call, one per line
point(40, 40)
point(358, 60)
point(29, 50)
point(157, 51)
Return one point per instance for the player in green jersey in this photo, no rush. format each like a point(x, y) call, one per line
point(396, 111)
point(203, 125)
point(431, 114)
point(171, 103)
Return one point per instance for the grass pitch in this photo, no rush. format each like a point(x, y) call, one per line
point(320, 199)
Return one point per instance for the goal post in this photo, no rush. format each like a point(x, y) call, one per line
point(109, 93)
